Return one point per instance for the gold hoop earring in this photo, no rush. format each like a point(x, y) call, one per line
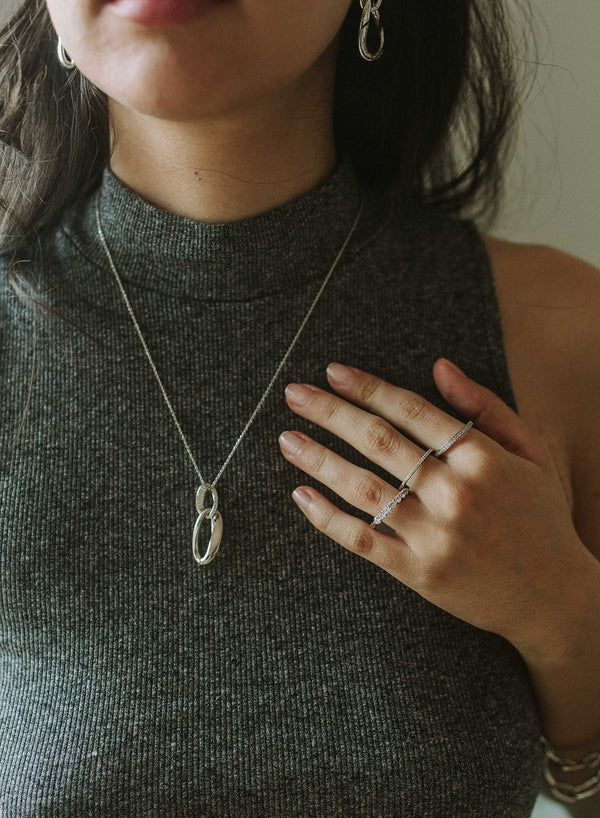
point(370, 11)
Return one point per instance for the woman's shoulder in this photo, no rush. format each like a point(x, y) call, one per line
point(549, 302)
point(532, 267)
point(550, 310)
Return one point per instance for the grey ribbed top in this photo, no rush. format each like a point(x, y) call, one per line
point(289, 677)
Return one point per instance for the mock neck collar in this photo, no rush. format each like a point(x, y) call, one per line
point(248, 258)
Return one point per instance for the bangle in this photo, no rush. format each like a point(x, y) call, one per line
point(569, 792)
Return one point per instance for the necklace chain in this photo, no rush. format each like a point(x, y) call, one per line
point(277, 371)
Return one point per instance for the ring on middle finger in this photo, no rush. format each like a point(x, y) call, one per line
point(403, 491)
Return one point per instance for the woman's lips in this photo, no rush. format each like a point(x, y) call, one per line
point(161, 12)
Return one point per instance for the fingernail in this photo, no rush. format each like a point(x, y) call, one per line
point(453, 366)
point(290, 441)
point(340, 374)
point(299, 393)
point(302, 498)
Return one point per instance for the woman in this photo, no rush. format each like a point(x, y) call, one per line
point(240, 193)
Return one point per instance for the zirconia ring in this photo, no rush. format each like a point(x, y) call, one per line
point(403, 488)
point(453, 439)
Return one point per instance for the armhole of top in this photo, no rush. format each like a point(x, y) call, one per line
point(490, 310)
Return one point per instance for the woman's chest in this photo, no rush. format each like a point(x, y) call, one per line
point(285, 661)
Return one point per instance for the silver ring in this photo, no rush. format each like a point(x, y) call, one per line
point(404, 489)
point(404, 492)
point(453, 439)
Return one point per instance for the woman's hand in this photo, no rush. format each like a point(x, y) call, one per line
point(486, 532)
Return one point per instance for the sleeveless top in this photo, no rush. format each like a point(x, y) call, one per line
point(289, 677)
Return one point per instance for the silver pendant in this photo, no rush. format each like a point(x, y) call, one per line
point(216, 524)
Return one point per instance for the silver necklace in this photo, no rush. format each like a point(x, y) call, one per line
point(212, 514)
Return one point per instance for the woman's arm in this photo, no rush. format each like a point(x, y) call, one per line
point(551, 308)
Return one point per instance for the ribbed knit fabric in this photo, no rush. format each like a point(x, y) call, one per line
point(289, 677)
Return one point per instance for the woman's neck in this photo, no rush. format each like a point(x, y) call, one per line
point(227, 169)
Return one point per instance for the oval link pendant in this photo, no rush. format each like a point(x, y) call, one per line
point(216, 521)
point(216, 524)
point(216, 532)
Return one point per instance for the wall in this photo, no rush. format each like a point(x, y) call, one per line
point(554, 179)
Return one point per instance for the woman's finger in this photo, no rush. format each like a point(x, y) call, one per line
point(357, 486)
point(370, 434)
point(390, 553)
point(491, 414)
point(404, 410)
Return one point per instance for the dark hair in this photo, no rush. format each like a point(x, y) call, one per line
point(448, 70)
